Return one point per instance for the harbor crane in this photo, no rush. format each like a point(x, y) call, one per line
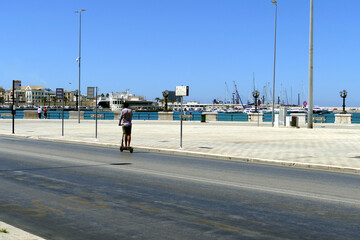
point(238, 98)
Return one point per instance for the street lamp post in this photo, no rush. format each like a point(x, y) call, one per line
point(79, 60)
point(343, 94)
point(273, 96)
point(166, 96)
point(255, 95)
point(311, 67)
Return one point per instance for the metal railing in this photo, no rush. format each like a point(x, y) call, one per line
point(240, 117)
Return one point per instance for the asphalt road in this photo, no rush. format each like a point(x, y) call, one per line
point(69, 191)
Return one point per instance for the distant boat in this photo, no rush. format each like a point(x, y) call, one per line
point(221, 111)
point(249, 110)
point(297, 110)
point(320, 111)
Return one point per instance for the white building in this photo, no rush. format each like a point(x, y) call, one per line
point(34, 95)
point(116, 101)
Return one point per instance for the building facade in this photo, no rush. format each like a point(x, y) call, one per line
point(20, 98)
point(35, 95)
point(116, 101)
point(2, 95)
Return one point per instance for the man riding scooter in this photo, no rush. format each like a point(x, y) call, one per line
point(125, 122)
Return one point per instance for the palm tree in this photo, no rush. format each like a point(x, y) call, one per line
point(44, 100)
point(54, 100)
point(65, 100)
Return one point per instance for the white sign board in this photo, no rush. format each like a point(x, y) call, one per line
point(17, 85)
point(182, 91)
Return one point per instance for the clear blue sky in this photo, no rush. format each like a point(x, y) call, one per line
point(152, 45)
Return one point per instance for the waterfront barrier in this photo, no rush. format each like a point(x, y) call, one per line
point(98, 116)
point(190, 116)
point(233, 117)
point(353, 118)
point(319, 119)
point(145, 115)
point(6, 114)
point(256, 117)
point(56, 115)
point(343, 118)
point(102, 115)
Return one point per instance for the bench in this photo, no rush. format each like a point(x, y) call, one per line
point(101, 116)
point(186, 117)
point(4, 115)
point(321, 119)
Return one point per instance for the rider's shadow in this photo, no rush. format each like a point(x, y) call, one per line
point(120, 164)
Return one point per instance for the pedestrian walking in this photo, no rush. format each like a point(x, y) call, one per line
point(39, 110)
point(45, 113)
point(125, 121)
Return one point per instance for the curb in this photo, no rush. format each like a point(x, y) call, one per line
point(204, 155)
point(14, 233)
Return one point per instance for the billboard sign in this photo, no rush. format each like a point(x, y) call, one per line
point(90, 92)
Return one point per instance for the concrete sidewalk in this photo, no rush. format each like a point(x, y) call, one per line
point(8, 232)
point(327, 146)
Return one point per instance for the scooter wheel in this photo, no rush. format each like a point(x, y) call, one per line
point(131, 150)
point(121, 149)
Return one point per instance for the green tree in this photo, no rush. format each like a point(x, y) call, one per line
point(44, 100)
point(54, 100)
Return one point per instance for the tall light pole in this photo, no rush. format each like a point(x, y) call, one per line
point(311, 50)
point(273, 96)
point(79, 60)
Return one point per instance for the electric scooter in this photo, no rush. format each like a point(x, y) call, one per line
point(122, 148)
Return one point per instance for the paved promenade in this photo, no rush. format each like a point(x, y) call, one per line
point(326, 146)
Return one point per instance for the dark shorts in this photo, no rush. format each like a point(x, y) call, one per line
point(127, 130)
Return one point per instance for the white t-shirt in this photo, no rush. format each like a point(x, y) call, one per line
point(126, 116)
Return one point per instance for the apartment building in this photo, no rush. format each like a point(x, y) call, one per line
point(2, 95)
